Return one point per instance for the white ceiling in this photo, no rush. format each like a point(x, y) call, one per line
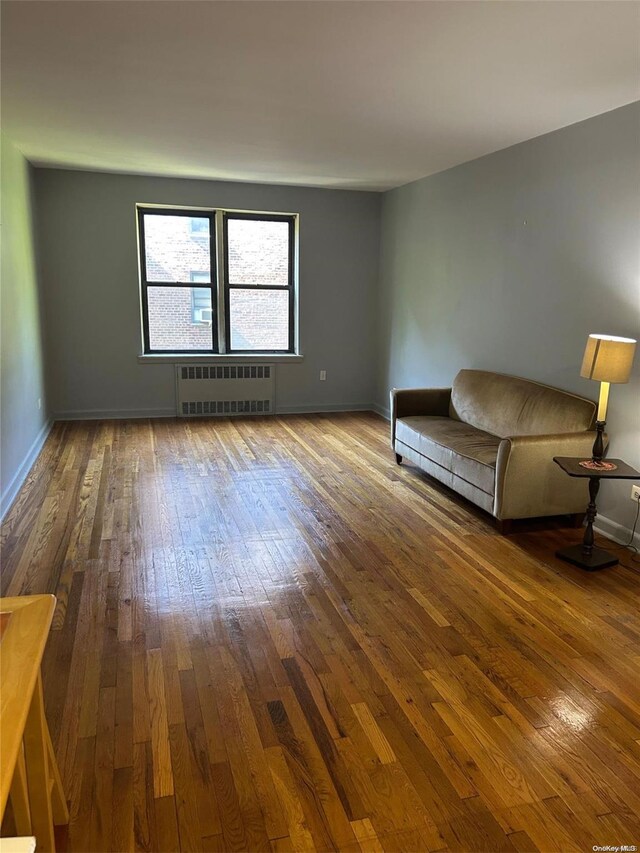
point(368, 95)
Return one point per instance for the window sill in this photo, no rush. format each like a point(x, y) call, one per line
point(226, 358)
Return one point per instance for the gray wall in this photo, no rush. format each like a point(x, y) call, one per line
point(509, 261)
point(88, 252)
point(504, 263)
point(22, 424)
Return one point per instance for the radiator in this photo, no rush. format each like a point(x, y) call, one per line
point(229, 389)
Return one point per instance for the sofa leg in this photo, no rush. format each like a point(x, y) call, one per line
point(504, 526)
point(577, 519)
point(398, 459)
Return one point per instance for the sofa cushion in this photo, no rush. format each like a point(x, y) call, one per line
point(468, 452)
point(508, 406)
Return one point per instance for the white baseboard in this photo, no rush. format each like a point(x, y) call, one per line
point(313, 408)
point(382, 411)
point(12, 489)
point(113, 414)
point(613, 530)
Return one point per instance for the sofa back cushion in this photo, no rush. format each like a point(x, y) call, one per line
point(506, 405)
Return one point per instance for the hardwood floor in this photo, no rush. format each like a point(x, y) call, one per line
point(269, 637)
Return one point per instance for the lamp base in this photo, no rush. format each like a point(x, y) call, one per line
point(597, 451)
point(593, 562)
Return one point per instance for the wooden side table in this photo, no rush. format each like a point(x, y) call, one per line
point(29, 775)
point(587, 555)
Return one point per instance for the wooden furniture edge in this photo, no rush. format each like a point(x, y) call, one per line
point(30, 650)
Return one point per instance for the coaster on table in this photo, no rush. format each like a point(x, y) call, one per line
point(597, 466)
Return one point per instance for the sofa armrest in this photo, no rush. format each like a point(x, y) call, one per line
point(528, 481)
point(406, 402)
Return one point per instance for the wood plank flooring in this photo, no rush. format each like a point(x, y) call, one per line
point(270, 637)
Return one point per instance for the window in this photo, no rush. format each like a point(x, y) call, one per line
point(190, 306)
point(172, 257)
point(259, 296)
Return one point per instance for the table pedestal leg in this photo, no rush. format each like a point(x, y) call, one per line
point(587, 555)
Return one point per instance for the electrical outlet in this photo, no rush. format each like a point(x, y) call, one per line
point(635, 493)
point(39, 402)
point(323, 375)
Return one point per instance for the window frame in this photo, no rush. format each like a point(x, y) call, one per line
point(145, 283)
point(219, 284)
point(290, 287)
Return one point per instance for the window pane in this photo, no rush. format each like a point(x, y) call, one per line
point(177, 248)
point(180, 318)
point(259, 319)
point(258, 252)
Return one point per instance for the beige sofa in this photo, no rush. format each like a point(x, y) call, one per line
point(492, 439)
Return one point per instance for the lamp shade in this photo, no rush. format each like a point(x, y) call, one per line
point(607, 358)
